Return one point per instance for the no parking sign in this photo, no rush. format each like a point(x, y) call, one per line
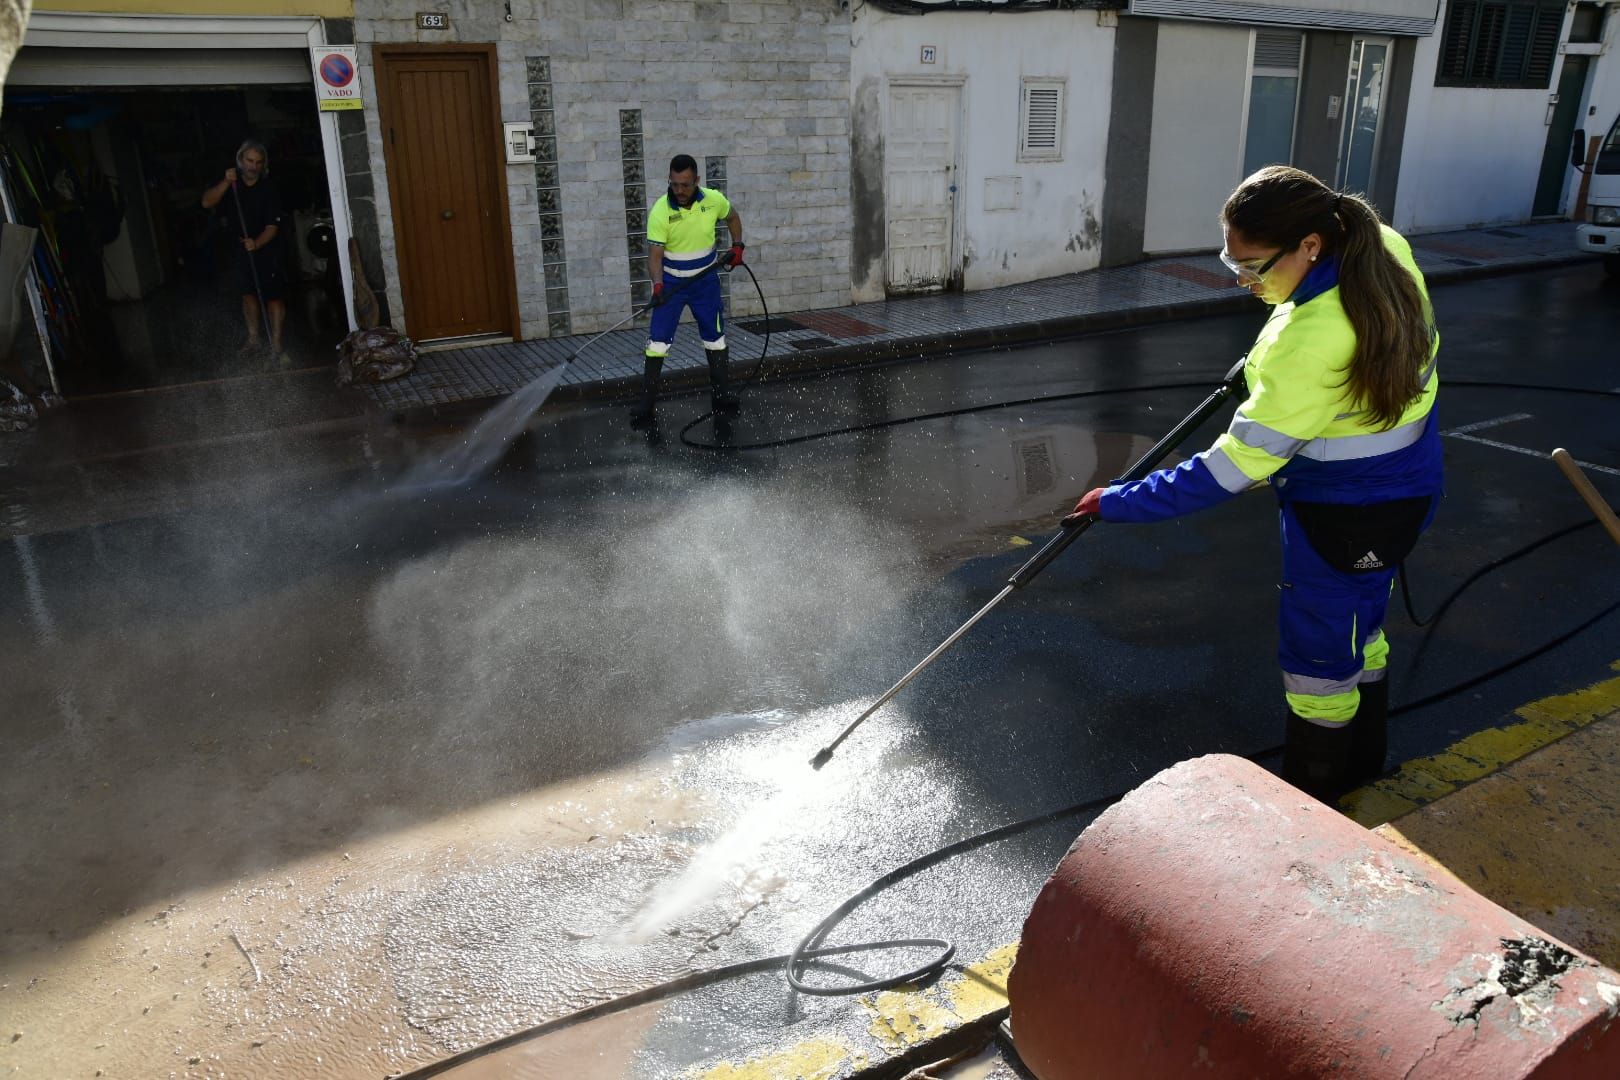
point(337, 77)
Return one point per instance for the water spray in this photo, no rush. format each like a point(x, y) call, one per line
point(1233, 383)
point(495, 430)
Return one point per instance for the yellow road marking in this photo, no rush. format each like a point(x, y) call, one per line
point(901, 1019)
point(818, 1059)
point(905, 1018)
point(1423, 780)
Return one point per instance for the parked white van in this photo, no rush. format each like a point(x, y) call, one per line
point(1600, 232)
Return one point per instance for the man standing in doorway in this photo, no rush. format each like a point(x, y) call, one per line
point(680, 247)
point(258, 222)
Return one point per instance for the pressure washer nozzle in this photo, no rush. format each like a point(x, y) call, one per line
point(822, 758)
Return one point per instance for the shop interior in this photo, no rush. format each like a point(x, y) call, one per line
point(135, 279)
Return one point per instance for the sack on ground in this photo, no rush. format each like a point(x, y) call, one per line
point(17, 413)
point(374, 356)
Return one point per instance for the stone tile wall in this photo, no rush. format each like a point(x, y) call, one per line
point(759, 86)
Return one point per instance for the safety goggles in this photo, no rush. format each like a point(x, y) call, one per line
point(1248, 274)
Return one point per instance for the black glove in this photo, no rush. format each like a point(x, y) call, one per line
point(658, 296)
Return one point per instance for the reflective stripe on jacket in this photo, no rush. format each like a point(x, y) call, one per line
point(687, 233)
point(1298, 427)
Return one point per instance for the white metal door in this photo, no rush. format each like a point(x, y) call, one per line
point(920, 186)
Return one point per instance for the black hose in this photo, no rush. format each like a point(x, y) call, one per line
point(1503, 669)
point(1040, 399)
point(810, 948)
point(753, 376)
point(966, 410)
point(765, 349)
point(801, 955)
point(1406, 591)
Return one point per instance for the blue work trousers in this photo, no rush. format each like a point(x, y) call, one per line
point(702, 296)
point(1330, 628)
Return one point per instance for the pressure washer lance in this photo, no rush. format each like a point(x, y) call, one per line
point(1232, 384)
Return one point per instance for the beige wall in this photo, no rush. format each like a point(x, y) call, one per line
point(1199, 94)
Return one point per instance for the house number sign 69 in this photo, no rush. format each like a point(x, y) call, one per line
point(432, 20)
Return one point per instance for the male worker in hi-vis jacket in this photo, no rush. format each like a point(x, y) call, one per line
point(681, 260)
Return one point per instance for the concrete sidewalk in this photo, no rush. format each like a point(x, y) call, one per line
point(1159, 289)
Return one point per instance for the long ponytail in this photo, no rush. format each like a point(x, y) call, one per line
point(1280, 206)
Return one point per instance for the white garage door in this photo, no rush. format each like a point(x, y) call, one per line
point(46, 66)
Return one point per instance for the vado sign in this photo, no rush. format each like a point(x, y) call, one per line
point(337, 77)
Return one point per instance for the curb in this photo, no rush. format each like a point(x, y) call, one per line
point(782, 368)
point(972, 1034)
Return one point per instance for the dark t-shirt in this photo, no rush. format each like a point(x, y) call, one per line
point(260, 272)
point(261, 207)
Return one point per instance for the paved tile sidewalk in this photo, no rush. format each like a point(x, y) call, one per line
point(1160, 288)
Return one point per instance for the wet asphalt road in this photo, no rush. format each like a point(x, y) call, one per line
point(340, 781)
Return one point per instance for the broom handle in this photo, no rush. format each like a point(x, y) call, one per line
point(1583, 487)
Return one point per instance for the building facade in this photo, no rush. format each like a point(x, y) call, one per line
point(495, 163)
point(979, 142)
point(755, 90)
point(1499, 91)
point(118, 114)
point(1222, 89)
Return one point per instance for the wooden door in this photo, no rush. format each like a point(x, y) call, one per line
point(920, 186)
point(447, 184)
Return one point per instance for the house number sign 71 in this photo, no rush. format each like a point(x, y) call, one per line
point(928, 54)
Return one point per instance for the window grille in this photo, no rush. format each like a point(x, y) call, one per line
point(1500, 43)
point(1040, 127)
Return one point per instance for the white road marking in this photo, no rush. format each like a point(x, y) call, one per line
point(1483, 424)
point(1587, 465)
point(1463, 433)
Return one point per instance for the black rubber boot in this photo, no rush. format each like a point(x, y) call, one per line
point(1369, 731)
point(720, 398)
point(651, 367)
point(1318, 760)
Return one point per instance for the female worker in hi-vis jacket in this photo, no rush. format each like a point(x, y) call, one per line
point(1340, 421)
